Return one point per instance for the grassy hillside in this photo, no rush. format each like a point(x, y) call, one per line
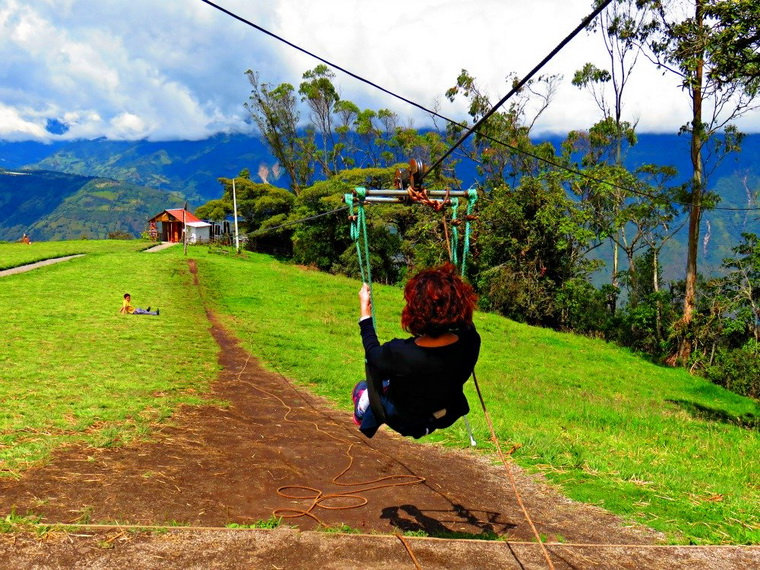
point(191, 167)
point(72, 369)
point(102, 206)
point(26, 196)
point(16, 254)
point(57, 206)
point(652, 444)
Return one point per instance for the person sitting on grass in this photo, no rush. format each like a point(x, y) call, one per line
point(128, 309)
point(420, 380)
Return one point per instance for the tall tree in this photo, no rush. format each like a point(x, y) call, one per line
point(275, 112)
point(618, 26)
point(689, 38)
point(496, 162)
point(321, 96)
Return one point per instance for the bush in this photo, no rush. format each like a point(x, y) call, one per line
point(120, 234)
point(738, 370)
point(582, 307)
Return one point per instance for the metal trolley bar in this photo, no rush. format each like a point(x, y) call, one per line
point(451, 193)
point(393, 199)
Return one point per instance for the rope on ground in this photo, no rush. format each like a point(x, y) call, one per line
point(504, 461)
point(318, 498)
point(554, 545)
point(409, 551)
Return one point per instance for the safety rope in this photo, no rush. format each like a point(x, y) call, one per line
point(511, 476)
point(358, 229)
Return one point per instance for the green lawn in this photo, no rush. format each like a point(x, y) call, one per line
point(73, 369)
point(15, 254)
point(653, 444)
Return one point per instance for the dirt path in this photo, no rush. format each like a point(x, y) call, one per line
point(217, 465)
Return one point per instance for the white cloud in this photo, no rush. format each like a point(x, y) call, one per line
point(15, 127)
point(175, 69)
point(128, 126)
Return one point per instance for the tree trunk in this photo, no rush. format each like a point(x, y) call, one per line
point(695, 210)
point(656, 286)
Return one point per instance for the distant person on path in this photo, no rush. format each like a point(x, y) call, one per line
point(128, 309)
point(420, 380)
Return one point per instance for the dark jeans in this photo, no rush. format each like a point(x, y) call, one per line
point(405, 424)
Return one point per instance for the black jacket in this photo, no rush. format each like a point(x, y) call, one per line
point(424, 380)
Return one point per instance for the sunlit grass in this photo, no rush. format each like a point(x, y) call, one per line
point(653, 444)
point(608, 427)
point(73, 369)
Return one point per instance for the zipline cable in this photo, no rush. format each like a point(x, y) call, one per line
point(445, 118)
point(520, 84)
point(265, 231)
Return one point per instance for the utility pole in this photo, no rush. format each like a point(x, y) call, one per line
point(234, 205)
point(184, 228)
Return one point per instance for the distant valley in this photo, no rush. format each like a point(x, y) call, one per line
point(189, 167)
point(52, 206)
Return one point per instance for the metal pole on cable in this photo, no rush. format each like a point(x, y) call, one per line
point(234, 205)
point(184, 228)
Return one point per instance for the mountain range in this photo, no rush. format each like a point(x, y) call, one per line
point(67, 189)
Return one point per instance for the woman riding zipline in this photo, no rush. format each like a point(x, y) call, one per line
point(418, 382)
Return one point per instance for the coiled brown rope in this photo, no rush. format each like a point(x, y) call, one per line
point(318, 498)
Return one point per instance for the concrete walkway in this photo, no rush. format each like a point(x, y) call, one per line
point(160, 246)
point(284, 548)
point(35, 265)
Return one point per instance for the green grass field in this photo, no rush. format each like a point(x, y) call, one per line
point(606, 426)
point(652, 444)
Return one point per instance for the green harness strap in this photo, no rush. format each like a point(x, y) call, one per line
point(359, 233)
point(454, 241)
point(358, 219)
point(472, 197)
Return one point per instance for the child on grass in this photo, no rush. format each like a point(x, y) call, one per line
point(128, 309)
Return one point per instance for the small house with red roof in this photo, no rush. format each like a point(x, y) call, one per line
point(174, 221)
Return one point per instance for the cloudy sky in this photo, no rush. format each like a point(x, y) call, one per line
point(174, 69)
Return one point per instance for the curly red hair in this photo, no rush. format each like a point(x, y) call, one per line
point(437, 300)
